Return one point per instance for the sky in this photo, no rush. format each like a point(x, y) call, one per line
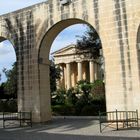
point(7, 53)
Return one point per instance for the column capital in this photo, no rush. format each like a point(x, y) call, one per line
point(67, 62)
point(79, 61)
point(91, 60)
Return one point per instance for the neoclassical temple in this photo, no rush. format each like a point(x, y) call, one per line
point(76, 67)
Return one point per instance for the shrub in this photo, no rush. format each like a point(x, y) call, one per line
point(63, 110)
point(71, 97)
point(84, 99)
point(98, 88)
point(58, 97)
point(90, 110)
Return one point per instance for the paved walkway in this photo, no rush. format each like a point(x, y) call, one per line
point(66, 129)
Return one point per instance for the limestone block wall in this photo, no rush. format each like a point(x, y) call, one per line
point(122, 79)
point(19, 28)
point(33, 29)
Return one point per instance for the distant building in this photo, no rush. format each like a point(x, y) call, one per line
point(75, 67)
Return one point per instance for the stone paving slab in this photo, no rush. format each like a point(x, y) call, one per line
point(66, 129)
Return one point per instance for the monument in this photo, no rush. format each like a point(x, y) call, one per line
point(75, 67)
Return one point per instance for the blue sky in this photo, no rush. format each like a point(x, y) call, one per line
point(7, 54)
point(12, 5)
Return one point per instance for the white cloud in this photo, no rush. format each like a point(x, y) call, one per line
point(6, 48)
point(7, 57)
point(3, 52)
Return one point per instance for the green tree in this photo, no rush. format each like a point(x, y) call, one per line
point(10, 86)
point(85, 90)
point(85, 98)
point(89, 44)
point(98, 88)
point(0, 76)
point(2, 93)
point(58, 97)
point(55, 74)
point(71, 96)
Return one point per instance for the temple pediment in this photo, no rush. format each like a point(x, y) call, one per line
point(69, 50)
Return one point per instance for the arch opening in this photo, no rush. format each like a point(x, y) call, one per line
point(8, 79)
point(44, 62)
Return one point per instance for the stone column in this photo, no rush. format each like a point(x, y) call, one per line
point(73, 73)
point(80, 71)
point(91, 71)
point(60, 82)
point(84, 71)
point(95, 71)
point(63, 77)
point(68, 73)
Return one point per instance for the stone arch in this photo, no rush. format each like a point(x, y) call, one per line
point(43, 59)
point(56, 29)
point(9, 61)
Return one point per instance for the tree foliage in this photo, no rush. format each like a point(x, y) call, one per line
point(2, 93)
point(10, 86)
point(55, 74)
point(80, 100)
point(58, 97)
point(89, 43)
point(98, 88)
point(0, 76)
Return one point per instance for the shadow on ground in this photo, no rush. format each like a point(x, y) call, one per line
point(62, 129)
